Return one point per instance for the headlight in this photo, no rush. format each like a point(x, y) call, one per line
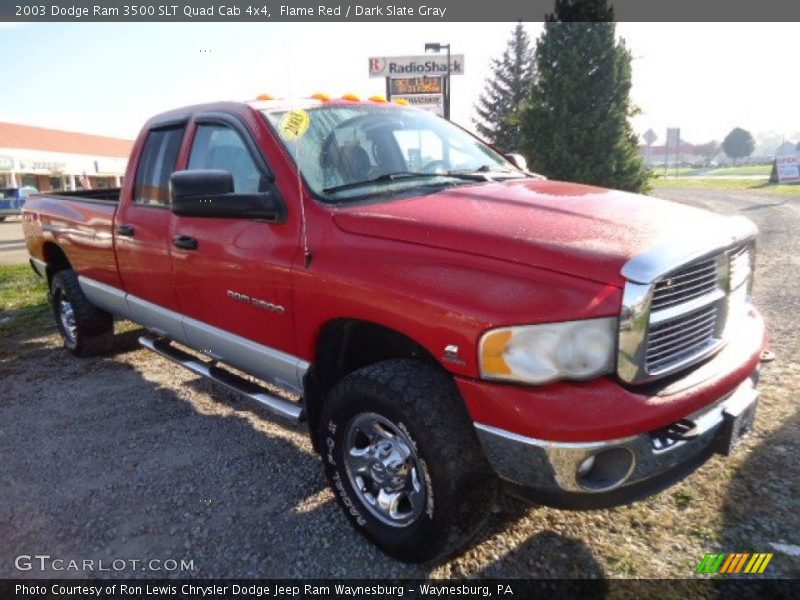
point(542, 353)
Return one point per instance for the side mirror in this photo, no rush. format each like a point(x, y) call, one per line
point(210, 193)
point(187, 184)
point(518, 161)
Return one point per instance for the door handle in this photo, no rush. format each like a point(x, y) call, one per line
point(125, 230)
point(184, 241)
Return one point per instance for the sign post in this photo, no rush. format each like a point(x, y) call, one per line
point(649, 138)
point(673, 139)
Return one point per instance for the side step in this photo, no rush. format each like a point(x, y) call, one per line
point(279, 406)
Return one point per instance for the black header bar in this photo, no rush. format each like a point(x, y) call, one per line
point(334, 11)
point(373, 589)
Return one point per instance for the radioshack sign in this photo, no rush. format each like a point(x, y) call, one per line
point(415, 66)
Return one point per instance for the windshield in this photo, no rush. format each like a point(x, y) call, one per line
point(349, 151)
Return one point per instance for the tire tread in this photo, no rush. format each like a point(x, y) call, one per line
point(95, 326)
point(426, 392)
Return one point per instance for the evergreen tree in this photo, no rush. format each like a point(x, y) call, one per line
point(576, 125)
point(507, 90)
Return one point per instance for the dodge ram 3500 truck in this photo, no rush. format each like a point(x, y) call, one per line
point(451, 323)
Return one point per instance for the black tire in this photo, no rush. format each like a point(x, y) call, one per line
point(2, 219)
point(92, 330)
point(426, 410)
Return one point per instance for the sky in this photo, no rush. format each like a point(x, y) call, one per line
point(108, 78)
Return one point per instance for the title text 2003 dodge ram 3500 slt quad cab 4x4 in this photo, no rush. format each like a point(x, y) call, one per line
point(450, 321)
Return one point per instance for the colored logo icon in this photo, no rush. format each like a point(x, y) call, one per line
point(734, 563)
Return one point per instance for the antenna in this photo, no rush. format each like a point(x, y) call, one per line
point(303, 222)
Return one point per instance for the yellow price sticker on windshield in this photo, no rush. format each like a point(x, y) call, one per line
point(294, 124)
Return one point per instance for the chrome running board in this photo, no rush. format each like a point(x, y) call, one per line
point(233, 382)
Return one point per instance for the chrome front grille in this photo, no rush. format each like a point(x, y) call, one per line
point(688, 283)
point(680, 338)
point(741, 265)
point(674, 316)
point(684, 315)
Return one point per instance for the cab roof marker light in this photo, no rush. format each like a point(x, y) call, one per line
point(401, 102)
point(351, 97)
point(265, 97)
point(320, 96)
point(377, 99)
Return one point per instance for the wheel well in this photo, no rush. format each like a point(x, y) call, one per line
point(346, 345)
point(55, 258)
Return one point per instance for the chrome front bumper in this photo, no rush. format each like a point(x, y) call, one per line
point(545, 470)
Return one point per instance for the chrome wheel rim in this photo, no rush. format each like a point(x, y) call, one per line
point(66, 315)
point(384, 470)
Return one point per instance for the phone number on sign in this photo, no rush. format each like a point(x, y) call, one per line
point(139, 10)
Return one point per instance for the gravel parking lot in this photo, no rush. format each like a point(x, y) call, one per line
point(130, 457)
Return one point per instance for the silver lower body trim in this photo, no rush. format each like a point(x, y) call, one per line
point(39, 267)
point(106, 297)
point(555, 466)
point(161, 320)
point(282, 369)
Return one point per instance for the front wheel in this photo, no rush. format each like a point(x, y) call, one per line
point(403, 459)
point(86, 329)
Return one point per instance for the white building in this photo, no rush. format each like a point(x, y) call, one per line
point(50, 159)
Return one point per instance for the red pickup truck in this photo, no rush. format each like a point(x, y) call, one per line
point(446, 323)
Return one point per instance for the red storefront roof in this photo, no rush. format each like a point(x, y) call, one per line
point(26, 137)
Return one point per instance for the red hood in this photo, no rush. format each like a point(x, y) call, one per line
point(576, 229)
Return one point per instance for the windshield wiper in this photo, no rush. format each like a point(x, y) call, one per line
point(483, 169)
point(401, 175)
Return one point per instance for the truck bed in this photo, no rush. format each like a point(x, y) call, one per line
point(110, 195)
point(80, 225)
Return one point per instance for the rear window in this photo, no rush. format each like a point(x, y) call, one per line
point(156, 164)
point(9, 193)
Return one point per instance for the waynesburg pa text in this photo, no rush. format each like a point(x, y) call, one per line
point(275, 590)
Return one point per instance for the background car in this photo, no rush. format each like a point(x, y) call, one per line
point(12, 199)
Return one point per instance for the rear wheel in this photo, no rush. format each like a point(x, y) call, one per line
point(85, 329)
point(403, 459)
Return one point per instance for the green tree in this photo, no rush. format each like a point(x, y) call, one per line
point(576, 125)
point(507, 90)
point(708, 150)
point(738, 143)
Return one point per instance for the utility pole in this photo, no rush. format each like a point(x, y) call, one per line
point(437, 47)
